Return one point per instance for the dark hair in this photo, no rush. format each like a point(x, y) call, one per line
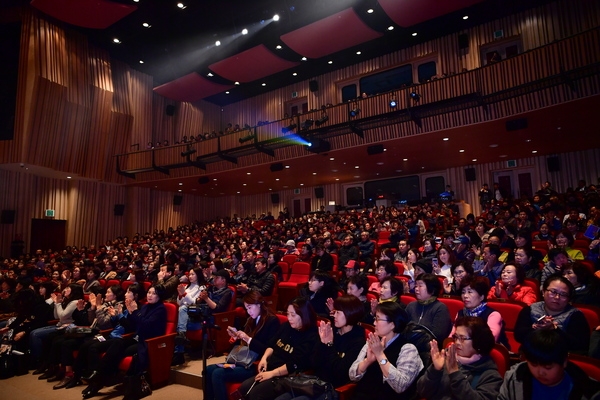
point(76, 292)
point(480, 332)
point(361, 282)
point(352, 308)
point(389, 266)
point(254, 297)
point(557, 277)
point(160, 290)
point(451, 255)
point(566, 233)
point(306, 312)
point(96, 271)
point(519, 270)
point(528, 252)
point(118, 292)
point(200, 275)
point(479, 284)
point(583, 273)
point(431, 282)
point(525, 234)
point(494, 249)
point(545, 347)
point(261, 260)
point(394, 313)
point(395, 285)
point(465, 264)
point(138, 290)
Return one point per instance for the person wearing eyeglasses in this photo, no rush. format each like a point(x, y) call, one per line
point(387, 366)
point(464, 370)
point(555, 312)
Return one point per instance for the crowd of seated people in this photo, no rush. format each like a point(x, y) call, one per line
point(427, 252)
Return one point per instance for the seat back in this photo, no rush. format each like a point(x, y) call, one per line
point(271, 301)
point(407, 298)
point(501, 357)
point(592, 315)
point(335, 261)
point(510, 312)
point(172, 315)
point(126, 284)
point(300, 272)
point(454, 306)
point(534, 284)
point(400, 267)
point(282, 318)
point(112, 282)
point(290, 259)
point(591, 366)
point(285, 269)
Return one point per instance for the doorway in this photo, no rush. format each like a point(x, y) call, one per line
point(48, 234)
point(516, 183)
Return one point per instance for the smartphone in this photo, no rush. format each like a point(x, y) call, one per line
point(434, 260)
point(232, 329)
point(541, 318)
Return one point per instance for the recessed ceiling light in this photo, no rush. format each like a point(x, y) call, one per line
point(146, 25)
point(244, 31)
point(356, 166)
point(260, 182)
point(357, 176)
point(116, 40)
point(334, 170)
point(180, 184)
point(337, 179)
point(302, 184)
point(141, 61)
point(329, 62)
point(559, 128)
point(244, 184)
point(370, 11)
point(414, 33)
point(214, 179)
point(238, 192)
point(390, 28)
point(179, 190)
point(445, 139)
point(314, 173)
point(304, 59)
point(331, 158)
point(236, 83)
point(405, 159)
point(422, 167)
point(248, 173)
point(528, 140)
point(285, 186)
point(503, 156)
point(209, 74)
point(68, 177)
point(264, 84)
point(278, 47)
point(384, 149)
point(295, 74)
point(534, 151)
point(379, 163)
point(275, 17)
point(287, 166)
point(493, 145)
point(466, 17)
point(270, 189)
point(218, 43)
point(358, 53)
point(461, 151)
point(193, 190)
point(181, 5)
point(227, 92)
point(276, 179)
point(474, 160)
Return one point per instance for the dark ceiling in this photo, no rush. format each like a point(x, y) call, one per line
point(180, 42)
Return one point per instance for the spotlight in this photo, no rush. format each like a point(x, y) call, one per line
point(322, 120)
point(247, 138)
point(393, 103)
point(288, 128)
point(275, 17)
point(318, 146)
point(188, 152)
point(354, 112)
point(415, 96)
point(244, 31)
point(359, 132)
point(307, 124)
point(218, 43)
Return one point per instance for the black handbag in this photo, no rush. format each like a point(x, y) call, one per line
point(306, 385)
point(137, 387)
point(81, 332)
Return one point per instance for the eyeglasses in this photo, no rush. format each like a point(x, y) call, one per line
point(381, 320)
point(460, 338)
point(555, 293)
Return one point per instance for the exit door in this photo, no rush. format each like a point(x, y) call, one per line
point(516, 183)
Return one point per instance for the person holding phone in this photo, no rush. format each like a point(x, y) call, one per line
point(443, 265)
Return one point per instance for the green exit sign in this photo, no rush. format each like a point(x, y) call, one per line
point(49, 213)
point(511, 163)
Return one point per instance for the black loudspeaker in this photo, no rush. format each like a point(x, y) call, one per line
point(470, 174)
point(276, 167)
point(170, 110)
point(203, 179)
point(313, 86)
point(375, 149)
point(275, 198)
point(516, 124)
point(319, 193)
point(7, 217)
point(463, 41)
point(177, 200)
point(553, 164)
point(119, 209)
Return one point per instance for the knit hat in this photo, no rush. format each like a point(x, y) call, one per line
point(290, 243)
point(428, 268)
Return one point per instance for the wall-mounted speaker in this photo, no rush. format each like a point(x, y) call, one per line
point(553, 164)
point(470, 174)
point(170, 110)
point(516, 124)
point(7, 217)
point(319, 194)
point(276, 167)
point(203, 180)
point(313, 86)
point(119, 209)
point(177, 200)
point(463, 41)
point(375, 149)
point(275, 198)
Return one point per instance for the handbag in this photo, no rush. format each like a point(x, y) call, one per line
point(306, 385)
point(242, 356)
point(81, 332)
point(137, 387)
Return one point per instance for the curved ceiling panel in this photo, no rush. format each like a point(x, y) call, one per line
point(330, 35)
point(411, 12)
point(250, 65)
point(94, 14)
point(191, 87)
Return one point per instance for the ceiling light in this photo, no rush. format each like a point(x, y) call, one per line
point(314, 173)
point(180, 184)
point(461, 151)
point(329, 62)
point(398, 170)
point(304, 59)
point(146, 25)
point(534, 151)
point(264, 84)
point(405, 159)
point(302, 184)
point(117, 41)
point(181, 5)
point(356, 166)
point(179, 190)
point(68, 177)
point(503, 156)
point(238, 192)
point(244, 184)
point(390, 28)
point(354, 112)
point(287, 166)
point(415, 96)
point(393, 103)
point(248, 173)
point(209, 74)
point(474, 160)
point(278, 47)
point(295, 74)
point(276, 179)
point(445, 139)
point(217, 43)
point(357, 176)
point(334, 170)
point(331, 159)
point(358, 53)
point(227, 92)
point(370, 11)
point(244, 31)
point(141, 62)
point(414, 34)
point(466, 17)
point(379, 163)
point(236, 83)
point(337, 179)
point(275, 17)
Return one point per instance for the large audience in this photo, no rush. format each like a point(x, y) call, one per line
point(379, 277)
